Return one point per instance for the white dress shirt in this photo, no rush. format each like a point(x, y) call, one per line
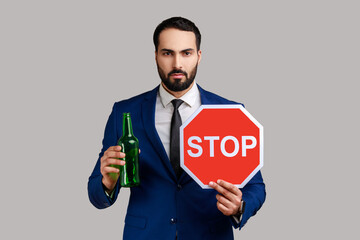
point(164, 111)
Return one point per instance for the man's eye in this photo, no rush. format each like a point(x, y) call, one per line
point(187, 53)
point(167, 53)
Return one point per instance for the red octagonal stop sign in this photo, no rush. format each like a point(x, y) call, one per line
point(221, 142)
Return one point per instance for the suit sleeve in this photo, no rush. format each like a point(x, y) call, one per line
point(96, 192)
point(254, 196)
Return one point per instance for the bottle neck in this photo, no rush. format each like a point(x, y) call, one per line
point(127, 126)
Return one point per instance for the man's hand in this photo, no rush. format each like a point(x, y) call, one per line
point(229, 197)
point(111, 156)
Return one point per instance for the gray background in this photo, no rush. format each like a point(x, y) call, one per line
point(295, 65)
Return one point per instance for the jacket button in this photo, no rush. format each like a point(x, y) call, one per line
point(179, 187)
point(173, 220)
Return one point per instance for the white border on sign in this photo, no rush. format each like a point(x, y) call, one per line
point(220, 106)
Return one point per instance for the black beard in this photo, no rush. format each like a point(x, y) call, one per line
point(177, 85)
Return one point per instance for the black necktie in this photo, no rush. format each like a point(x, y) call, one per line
point(175, 137)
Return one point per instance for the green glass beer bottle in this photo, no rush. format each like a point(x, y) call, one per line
point(129, 173)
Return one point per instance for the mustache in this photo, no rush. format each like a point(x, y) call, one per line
point(177, 71)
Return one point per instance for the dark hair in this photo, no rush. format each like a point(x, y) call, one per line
point(177, 23)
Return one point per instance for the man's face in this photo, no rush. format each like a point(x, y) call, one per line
point(177, 59)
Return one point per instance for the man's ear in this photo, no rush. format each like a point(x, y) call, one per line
point(199, 55)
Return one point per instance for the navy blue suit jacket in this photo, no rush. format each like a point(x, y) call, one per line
point(163, 205)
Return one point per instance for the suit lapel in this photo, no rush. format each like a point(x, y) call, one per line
point(148, 119)
point(203, 96)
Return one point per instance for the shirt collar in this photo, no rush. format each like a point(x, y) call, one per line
point(189, 98)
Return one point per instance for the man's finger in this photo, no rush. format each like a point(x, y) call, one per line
point(220, 189)
point(115, 154)
point(114, 161)
point(217, 187)
point(116, 148)
point(222, 208)
point(228, 186)
point(224, 201)
point(232, 197)
point(111, 170)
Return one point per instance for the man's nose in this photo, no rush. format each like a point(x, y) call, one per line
point(177, 62)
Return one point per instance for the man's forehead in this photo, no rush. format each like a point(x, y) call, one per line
point(177, 40)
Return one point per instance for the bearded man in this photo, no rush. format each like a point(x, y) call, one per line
point(168, 204)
